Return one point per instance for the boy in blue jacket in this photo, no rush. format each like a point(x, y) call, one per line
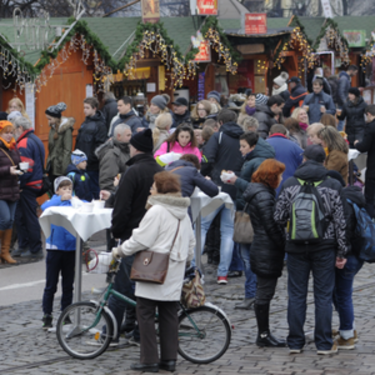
point(60, 247)
point(80, 179)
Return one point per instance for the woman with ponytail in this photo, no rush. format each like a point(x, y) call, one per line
point(160, 134)
point(60, 140)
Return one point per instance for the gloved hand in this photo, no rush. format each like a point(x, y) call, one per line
point(116, 252)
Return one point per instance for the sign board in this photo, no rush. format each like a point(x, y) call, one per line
point(30, 102)
point(204, 54)
point(248, 49)
point(327, 10)
point(355, 38)
point(150, 11)
point(255, 23)
point(207, 7)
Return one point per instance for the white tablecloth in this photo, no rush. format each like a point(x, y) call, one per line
point(74, 221)
point(202, 203)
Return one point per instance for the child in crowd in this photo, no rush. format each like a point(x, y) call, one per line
point(80, 179)
point(60, 247)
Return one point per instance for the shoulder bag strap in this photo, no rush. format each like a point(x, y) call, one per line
point(11, 160)
point(175, 169)
point(174, 240)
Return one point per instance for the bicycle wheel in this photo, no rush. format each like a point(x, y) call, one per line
point(204, 335)
point(83, 338)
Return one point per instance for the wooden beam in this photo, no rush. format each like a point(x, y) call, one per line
point(121, 8)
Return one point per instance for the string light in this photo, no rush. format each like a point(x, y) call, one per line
point(335, 42)
point(366, 59)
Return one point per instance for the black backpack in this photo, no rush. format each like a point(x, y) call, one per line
point(308, 221)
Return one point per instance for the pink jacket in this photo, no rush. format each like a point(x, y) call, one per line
point(178, 149)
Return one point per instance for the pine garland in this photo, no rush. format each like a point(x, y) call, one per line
point(334, 25)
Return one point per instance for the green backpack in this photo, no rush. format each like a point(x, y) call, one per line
point(308, 221)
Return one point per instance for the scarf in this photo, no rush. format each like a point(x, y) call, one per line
point(303, 126)
point(250, 111)
point(11, 145)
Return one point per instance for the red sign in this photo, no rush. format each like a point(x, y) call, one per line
point(207, 7)
point(255, 23)
point(204, 54)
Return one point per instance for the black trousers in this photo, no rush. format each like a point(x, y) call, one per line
point(265, 290)
point(168, 330)
point(59, 261)
point(370, 196)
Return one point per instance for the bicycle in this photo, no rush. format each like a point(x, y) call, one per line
point(204, 332)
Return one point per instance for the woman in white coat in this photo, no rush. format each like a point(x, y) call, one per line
point(166, 209)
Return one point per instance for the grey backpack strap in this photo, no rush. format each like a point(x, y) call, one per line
point(220, 137)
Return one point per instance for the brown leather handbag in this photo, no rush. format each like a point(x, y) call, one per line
point(151, 267)
point(243, 229)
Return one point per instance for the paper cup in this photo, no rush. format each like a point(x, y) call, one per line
point(98, 205)
point(24, 166)
point(87, 207)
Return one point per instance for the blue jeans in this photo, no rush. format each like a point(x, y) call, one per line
point(125, 286)
point(322, 265)
point(7, 212)
point(59, 261)
point(94, 183)
point(251, 279)
point(343, 295)
point(236, 263)
point(226, 230)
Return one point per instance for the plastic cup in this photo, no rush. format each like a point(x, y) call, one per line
point(24, 166)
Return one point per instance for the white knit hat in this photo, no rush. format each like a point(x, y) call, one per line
point(281, 79)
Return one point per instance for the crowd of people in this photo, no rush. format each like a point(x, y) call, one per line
point(274, 150)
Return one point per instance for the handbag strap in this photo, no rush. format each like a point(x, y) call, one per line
point(175, 169)
point(175, 236)
point(245, 207)
point(11, 160)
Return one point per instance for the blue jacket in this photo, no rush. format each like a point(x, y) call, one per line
point(314, 101)
point(190, 178)
point(81, 182)
point(32, 151)
point(253, 160)
point(60, 238)
point(287, 152)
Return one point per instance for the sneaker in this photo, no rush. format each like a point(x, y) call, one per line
point(295, 351)
point(335, 333)
point(343, 344)
point(333, 350)
point(132, 341)
point(18, 252)
point(29, 254)
point(67, 320)
point(222, 280)
point(47, 321)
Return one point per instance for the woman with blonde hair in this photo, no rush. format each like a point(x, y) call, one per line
point(337, 151)
point(16, 104)
point(160, 134)
point(301, 116)
point(202, 110)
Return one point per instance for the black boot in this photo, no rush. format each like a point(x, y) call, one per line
point(265, 338)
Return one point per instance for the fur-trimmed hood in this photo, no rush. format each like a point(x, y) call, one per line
point(66, 123)
point(174, 203)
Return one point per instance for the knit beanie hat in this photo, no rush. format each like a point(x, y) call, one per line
point(59, 180)
point(77, 157)
point(4, 124)
point(3, 116)
point(142, 141)
point(214, 94)
point(160, 101)
point(355, 91)
point(55, 110)
point(261, 99)
point(12, 115)
point(281, 79)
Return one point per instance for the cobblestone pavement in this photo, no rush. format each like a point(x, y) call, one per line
point(27, 349)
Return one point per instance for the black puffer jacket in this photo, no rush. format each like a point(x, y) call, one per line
point(355, 116)
point(91, 135)
point(9, 187)
point(354, 193)
point(109, 111)
point(223, 152)
point(267, 249)
point(265, 117)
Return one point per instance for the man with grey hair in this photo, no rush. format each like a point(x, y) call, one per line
point(249, 124)
point(113, 156)
point(109, 108)
point(32, 151)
